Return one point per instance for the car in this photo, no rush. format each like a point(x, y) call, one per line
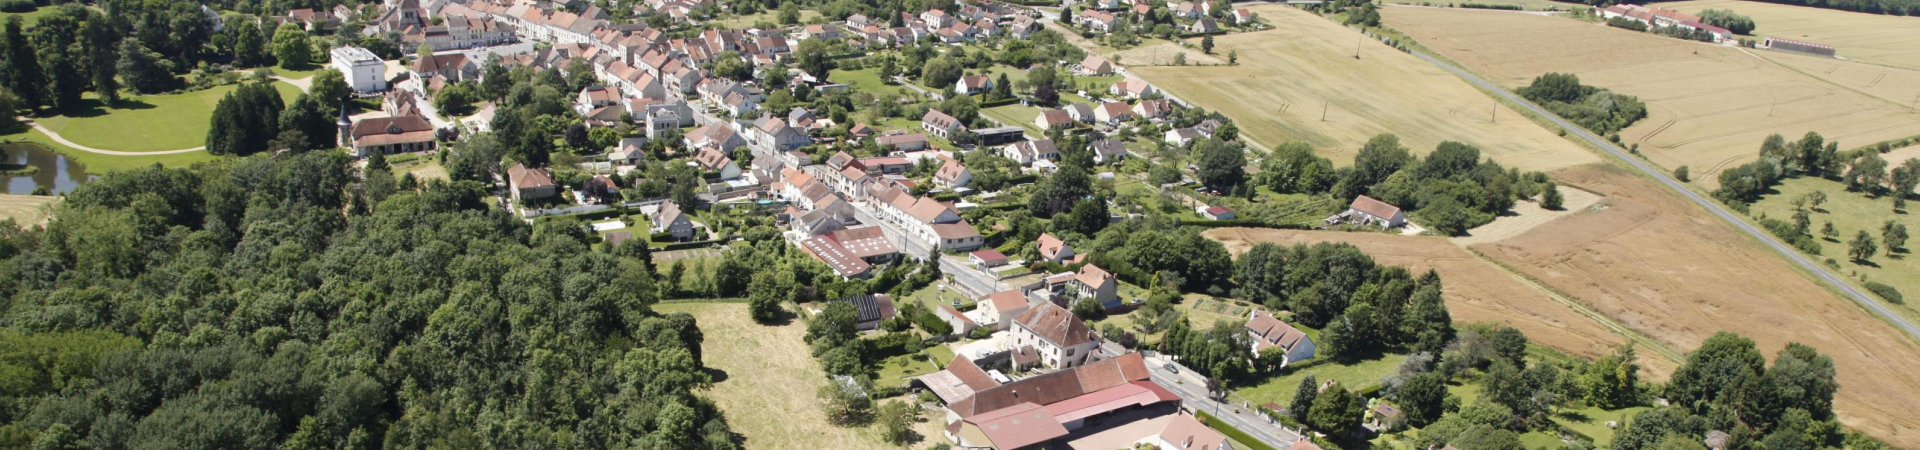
point(1172, 368)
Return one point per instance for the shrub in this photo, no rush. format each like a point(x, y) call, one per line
point(1887, 292)
point(17, 6)
point(980, 333)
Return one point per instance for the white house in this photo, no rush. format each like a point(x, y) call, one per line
point(1185, 433)
point(1061, 340)
point(1374, 212)
point(1270, 333)
point(669, 219)
point(364, 71)
point(970, 85)
point(999, 309)
point(953, 175)
point(1026, 152)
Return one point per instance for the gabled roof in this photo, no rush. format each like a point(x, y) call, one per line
point(1093, 276)
point(523, 177)
point(951, 171)
point(1269, 331)
point(1055, 324)
point(1019, 426)
point(871, 307)
point(1373, 207)
point(1188, 434)
point(939, 119)
point(1008, 300)
point(1050, 245)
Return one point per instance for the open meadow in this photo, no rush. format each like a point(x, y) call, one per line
point(1850, 213)
point(770, 378)
point(1663, 266)
point(1709, 106)
point(146, 123)
point(1871, 38)
point(28, 210)
point(1289, 75)
point(1476, 290)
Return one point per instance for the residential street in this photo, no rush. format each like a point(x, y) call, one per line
point(1192, 389)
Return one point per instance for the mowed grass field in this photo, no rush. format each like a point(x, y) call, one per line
point(771, 377)
point(1476, 290)
point(99, 164)
point(28, 210)
point(1851, 212)
point(1662, 265)
point(1709, 106)
point(1289, 74)
point(1871, 38)
point(150, 122)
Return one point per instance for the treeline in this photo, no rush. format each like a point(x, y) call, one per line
point(1894, 7)
point(1862, 170)
point(1726, 18)
point(1449, 191)
point(288, 303)
point(1591, 107)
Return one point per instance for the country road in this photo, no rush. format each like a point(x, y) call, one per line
point(1792, 255)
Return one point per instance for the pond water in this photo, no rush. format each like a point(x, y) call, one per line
point(57, 173)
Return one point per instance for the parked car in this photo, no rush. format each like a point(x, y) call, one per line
point(1172, 368)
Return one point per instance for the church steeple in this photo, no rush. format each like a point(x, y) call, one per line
point(346, 127)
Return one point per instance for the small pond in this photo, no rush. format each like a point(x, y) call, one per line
point(59, 174)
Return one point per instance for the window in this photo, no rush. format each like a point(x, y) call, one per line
point(1069, 353)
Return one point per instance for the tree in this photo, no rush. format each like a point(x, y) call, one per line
point(1550, 197)
point(812, 57)
point(1680, 173)
point(103, 58)
point(245, 120)
point(1829, 232)
point(1088, 309)
point(1206, 44)
point(145, 71)
point(765, 295)
point(1715, 371)
point(1233, 57)
point(789, 13)
point(1726, 18)
point(1613, 381)
point(66, 83)
point(846, 404)
point(1303, 398)
point(249, 43)
point(1867, 173)
point(836, 324)
point(1862, 247)
point(21, 73)
point(1222, 166)
point(1422, 398)
point(314, 120)
point(329, 86)
point(941, 72)
point(1002, 89)
point(1906, 177)
point(1336, 410)
point(1894, 234)
point(896, 421)
point(290, 47)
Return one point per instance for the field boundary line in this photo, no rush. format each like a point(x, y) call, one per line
point(1582, 308)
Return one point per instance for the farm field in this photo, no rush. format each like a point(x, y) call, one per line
point(1709, 106)
point(1288, 74)
point(1851, 212)
point(1476, 290)
point(1661, 265)
point(28, 210)
point(1530, 5)
point(1528, 214)
point(148, 123)
point(768, 390)
point(1871, 38)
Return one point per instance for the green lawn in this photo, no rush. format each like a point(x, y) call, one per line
point(148, 123)
point(30, 16)
point(941, 354)
point(867, 80)
point(739, 22)
point(1850, 213)
point(1015, 115)
point(899, 369)
point(98, 164)
point(1358, 375)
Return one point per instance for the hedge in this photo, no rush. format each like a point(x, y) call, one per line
point(1887, 292)
point(688, 245)
point(1232, 433)
point(1243, 223)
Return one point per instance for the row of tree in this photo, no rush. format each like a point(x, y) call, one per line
point(1450, 191)
point(1591, 107)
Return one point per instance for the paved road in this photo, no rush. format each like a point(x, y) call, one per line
point(1792, 255)
point(1192, 389)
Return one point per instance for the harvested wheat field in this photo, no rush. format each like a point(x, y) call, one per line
point(1289, 75)
point(1872, 38)
point(1528, 214)
point(1665, 267)
point(770, 378)
point(1709, 106)
point(27, 210)
point(1476, 290)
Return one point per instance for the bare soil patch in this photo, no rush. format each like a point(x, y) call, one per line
point(1476, 290)
point(1665, 267)
point(1300, 82)
point(1528, 214)
point(1709, 106)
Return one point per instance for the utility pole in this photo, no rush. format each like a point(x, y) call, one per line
point(1323, 110)
point(1496, 111)
point(1770, 107)
point(1356, 46)
point(1911, 106)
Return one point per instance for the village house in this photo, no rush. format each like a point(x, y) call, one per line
point(1112, 113)
point(716, 136)
point(1021, 414)
point(1108, 151)
point(1061, 339)
point(903, 142)
point(940, 124)
point(998, 309)
point(1155, 109)
point(1204, 25)
point(673, 222)
point(1054, 250)
point(1094, 65)
point(852, 252)
point(987, 259)
point(1365, 210)
point(386, 135)
point(1216, 213)
point(1053, 118)
point(1081, 112)
point(1027, 152)
point(530, 184)
point(365, 73)
point(1268, 332)
point(1179, 137)
point(1242, 16)
point(970, 85)
point(1183, 432)
point(716, 161)
point(953, 175)
point(1131, 88)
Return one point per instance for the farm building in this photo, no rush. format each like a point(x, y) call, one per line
point(1798, 47)
point(1366, 210)
point(1657, 17)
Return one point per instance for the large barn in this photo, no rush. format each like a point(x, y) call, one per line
point(1799, 46)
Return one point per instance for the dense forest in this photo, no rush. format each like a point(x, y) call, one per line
point(287, 302)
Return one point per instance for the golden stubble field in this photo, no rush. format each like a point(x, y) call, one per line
point(1870, 38)
point(1476, 291)
point(28, 210)
point(1709, 106)
point(1289, 75)
point(1663, 266)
